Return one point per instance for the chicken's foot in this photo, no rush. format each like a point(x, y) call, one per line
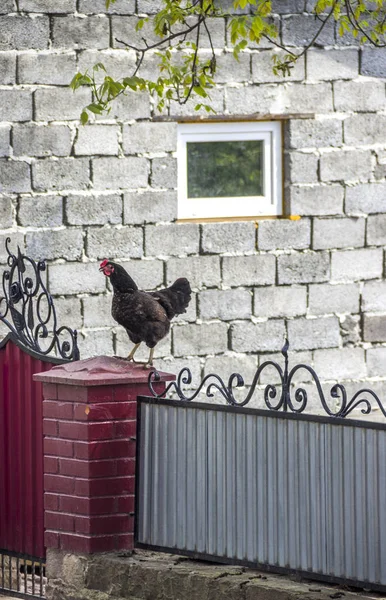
point(134, 350)
point(149, 364)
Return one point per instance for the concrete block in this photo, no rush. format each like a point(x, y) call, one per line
point(350, 330)
point(147, 274)
point(325, 65)
point(207, 338)
point(325, 298)
point(353, 265)
point(299, 30)
point(374, 328)
point(76, 33)
point(249, 270)
point(6, 217)
point(316, 200)
point(94, 210)
point(280, 301)
point(5, 147)
point(225, 304)
point(172, 240)
point(63, 174)
point(376, 362)
point(92, 7)
point(15, 177)
point(51, 69)
point(7, 7)
point(376, 230)
point(66, 243)
point(97, 311)
point(7, 68)
point(258, 337)
point(340, 363)
point(164, 172)
point(75, 278)
point(228, 237)
point(346, 165)
point(118, 63)
point(41, 6)
point(149, 207)
point(358, 96)
point(262, 67)
point(283, 7)
point(315, 133)
point(106, 242)
point(201, 271)
point(24, 33)
point(124, 28)
point(38, 140)
point(68, 312)
point(283, 233)
point(149, 137)
point(310, 334)
point(230, 70)
point(374, 296)
point(367, 198)
point(131, 105)
point(60, 104)
point(97, 139)
point(15, 105)
point(373, 62)
point(301, 167)
point(225, 365)
point(279, 98)
point(338, 233)
point(364, 128)
point(115, 173)
point(96, 343)
point(40, 211)
point(312, 267)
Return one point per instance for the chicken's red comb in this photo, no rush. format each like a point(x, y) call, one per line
point(103, 263)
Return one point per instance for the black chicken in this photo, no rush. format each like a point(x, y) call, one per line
point(146, 316)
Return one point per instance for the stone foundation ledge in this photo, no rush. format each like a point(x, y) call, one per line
point(147, 575)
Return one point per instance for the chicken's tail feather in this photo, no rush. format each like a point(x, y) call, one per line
point(175, 299)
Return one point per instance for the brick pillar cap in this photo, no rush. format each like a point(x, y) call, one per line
point(100, 370)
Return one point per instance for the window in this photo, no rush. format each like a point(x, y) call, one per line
point(229, 170)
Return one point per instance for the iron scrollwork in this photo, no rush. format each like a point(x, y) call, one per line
point(291, 397)
point(27, 308)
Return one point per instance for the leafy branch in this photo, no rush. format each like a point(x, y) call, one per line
point(185, 72)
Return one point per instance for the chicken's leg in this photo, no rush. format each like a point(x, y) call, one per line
point(149, 363)
point(134, 350)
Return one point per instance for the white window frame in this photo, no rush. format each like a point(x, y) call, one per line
point(244, 206)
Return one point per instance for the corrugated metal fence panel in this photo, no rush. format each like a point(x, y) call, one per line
point(21, 452)
point(296, 494)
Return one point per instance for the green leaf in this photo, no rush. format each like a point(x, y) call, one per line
point(84, 117)
point(97, 109)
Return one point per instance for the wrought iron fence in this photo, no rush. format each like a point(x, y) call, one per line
point(277, 488)
point(290, 397)
point(28, 310)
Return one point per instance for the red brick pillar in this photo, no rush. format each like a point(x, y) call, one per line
point(90, 413)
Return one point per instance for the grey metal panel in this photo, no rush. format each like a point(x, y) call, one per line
point(288, 493)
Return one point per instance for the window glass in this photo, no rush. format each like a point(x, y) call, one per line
point(225, 169)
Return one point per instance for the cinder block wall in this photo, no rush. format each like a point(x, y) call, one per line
point(76, 194)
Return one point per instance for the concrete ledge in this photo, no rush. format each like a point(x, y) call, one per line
point(155, 576)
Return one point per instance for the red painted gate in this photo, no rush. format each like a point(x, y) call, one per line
point(21, 449)
point(27, 309)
